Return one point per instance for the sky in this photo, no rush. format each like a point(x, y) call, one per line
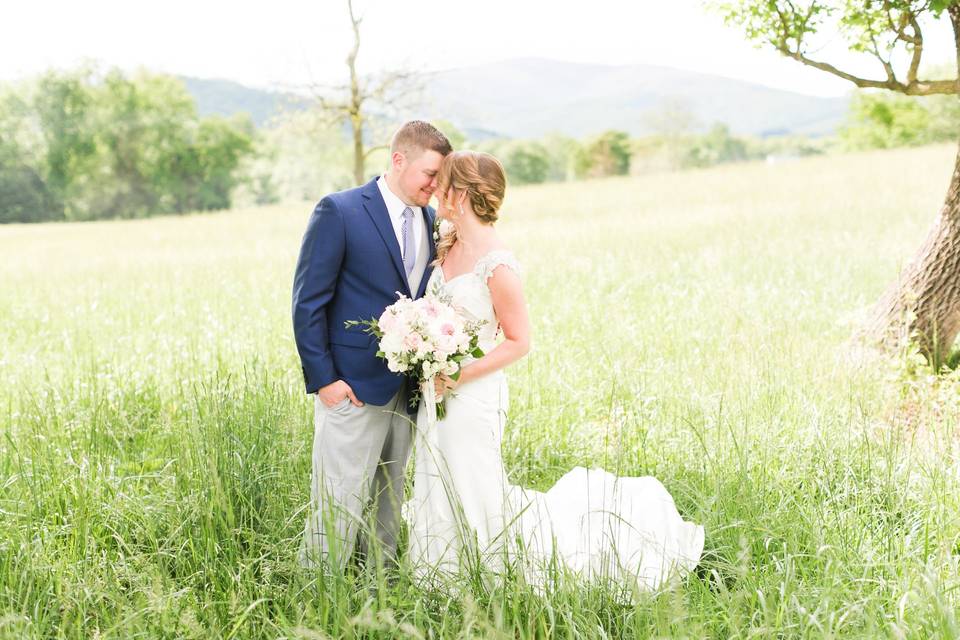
point(289, 44)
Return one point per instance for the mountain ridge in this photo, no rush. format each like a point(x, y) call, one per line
point(530, 97)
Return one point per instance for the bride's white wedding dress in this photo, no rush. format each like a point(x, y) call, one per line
point(464, 512)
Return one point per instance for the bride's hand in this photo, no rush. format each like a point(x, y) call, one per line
point(443, 383)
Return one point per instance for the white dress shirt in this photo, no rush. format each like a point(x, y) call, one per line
point(395, 207)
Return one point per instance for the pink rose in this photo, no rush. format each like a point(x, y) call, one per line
point(387, 321)
point(412, 341)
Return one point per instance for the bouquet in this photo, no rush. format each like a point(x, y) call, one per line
point(424, 338)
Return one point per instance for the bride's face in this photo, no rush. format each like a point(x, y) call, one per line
point(447, 208)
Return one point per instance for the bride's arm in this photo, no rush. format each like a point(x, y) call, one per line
point(506, 291)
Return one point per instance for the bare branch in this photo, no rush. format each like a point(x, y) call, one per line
point(355, 103)
point(367, 153)
point(353, 19)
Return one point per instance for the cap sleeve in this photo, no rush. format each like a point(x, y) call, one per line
point(486, 265)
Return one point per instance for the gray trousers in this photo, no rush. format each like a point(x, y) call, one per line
point(356, 489)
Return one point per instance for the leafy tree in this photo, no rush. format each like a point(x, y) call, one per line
point(562, 154)
point(606, 155)
point(309, 155)
point(61, 108)
point(141, 129)
point(456, 137)
point(82, 145)
point(24, 194)
point(715, 147)
point(214, 152)
point(883, 120)
point(534, 161)
point(925, 300)
point(526, 162)
point(672, 125)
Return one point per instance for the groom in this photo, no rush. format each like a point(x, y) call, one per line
point(361, 247)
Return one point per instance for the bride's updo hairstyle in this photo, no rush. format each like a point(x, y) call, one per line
point(482, 177)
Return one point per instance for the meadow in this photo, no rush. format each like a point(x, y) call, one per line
point(155, 458)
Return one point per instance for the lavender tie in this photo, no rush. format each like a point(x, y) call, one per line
point(409, 249)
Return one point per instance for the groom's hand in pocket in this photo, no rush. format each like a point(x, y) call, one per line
point(334, 393)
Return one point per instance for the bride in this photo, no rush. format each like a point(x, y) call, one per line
point(464, 512)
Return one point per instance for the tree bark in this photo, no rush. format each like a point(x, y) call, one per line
point(356, 119)
point(924, 302)
point(358, 154)
point(356, 101)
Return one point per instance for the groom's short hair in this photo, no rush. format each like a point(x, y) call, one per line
point(416, 136)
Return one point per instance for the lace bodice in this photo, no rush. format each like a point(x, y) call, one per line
point(470, 294)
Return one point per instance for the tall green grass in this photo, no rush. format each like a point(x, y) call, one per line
point(154, 464)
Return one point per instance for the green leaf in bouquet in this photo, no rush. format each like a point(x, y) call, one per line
point(414, 397)
point(370, 326)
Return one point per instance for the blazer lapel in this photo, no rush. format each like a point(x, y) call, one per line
point(429, 215)
point(377, 210)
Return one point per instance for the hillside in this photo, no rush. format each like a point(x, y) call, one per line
point(531, 97)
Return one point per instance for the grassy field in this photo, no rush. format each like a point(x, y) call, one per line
point(154, 465)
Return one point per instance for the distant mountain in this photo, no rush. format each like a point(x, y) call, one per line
point(529, 97)
point(225, 97)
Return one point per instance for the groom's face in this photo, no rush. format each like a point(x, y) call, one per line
point(417, 175)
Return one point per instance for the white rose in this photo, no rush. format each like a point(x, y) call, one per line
point(391, 343)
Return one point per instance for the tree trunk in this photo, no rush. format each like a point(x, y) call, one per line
point(924, 303)
point(355, 111)
point(358, 164)
point(356, 100)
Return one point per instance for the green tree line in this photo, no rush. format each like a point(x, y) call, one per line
point(616, 153)
point(881, 120)
point(83, 145)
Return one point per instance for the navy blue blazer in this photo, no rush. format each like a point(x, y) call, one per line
point(350, 269)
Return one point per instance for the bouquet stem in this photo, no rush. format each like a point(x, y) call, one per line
point(436, 407)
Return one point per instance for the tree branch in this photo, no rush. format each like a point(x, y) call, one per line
point(917, 42)
point(954, 12)
point(873, 27)
point(366, 154)
point(915, 88)
point(875, 52)
point(907, 17)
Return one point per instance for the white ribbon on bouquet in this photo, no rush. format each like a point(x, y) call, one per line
point(428, 395)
